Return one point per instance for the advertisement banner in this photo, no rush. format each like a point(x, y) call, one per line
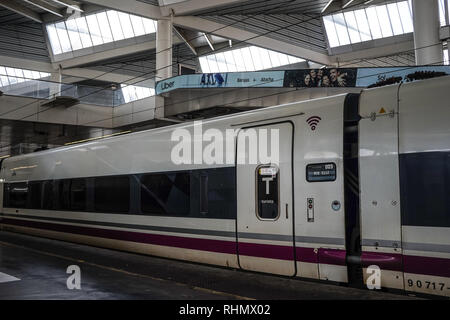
point(258, 79)
point(369, 77)
point(306, 78)
point(324, 77)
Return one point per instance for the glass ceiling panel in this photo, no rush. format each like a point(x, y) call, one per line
point(363, 25)
point(395, 19)
point(406, 16)
point(352, 26)
point(133, 93)
point(385, 23)
point(341, 29)
point(96, 29)
point(74, 35)
point(83, 31)
point(371, 23)
point(245, 59)
point(10, 76)
point(105, 30)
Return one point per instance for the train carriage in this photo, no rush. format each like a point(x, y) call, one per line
point(361, 184)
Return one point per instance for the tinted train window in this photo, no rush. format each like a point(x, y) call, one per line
point(47, 195)
point(63, 194)
point(78, 194)
point(425, 189)
point(166, 194)
point(17, 195)
point(267, 182)
point(112, 194)
point(35, 190)
point(219, 188)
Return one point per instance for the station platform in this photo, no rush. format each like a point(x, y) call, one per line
point(35, 268)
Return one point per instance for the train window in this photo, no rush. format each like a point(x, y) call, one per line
point(63, 194)
point(267, 183)
point(35, 190)
point(47, 195)
point(78, 194)
point(203, 194)
point(112, 194)
point(221, 196)
point(166, 194)
point(17, 195)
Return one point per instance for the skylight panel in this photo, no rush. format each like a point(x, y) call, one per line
point(385, 23)
point(352, 26)
point(395, 19)
point(256, 57)
point(442, 12)
point(238, 59)
point(116, 28)
point(53, 37)
point(204, 64)
point(132, 93)
point(105, 30)
point(374, 24)
point(10, 76)
point(363, 25)
point(406, 16)
point(125, 22)
point(231, 63)
point(250, 58)
point(248, 61)
point(83, 31)
point(96, 29)
point(63, 36)
point(149, 25)
point(221, 62)
point(138, 26)
point(371, 23)
point(74, 35)
point(333, 39)
point(212, 63)
point(341, 29)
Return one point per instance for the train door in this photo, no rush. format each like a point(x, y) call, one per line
point(381, 238)
point(264, 200)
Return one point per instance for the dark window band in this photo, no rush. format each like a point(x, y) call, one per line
point(205, 193)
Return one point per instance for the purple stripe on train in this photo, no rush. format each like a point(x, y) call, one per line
point(387, 261)
point(156, 239)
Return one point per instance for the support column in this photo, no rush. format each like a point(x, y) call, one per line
point(55, 84)
point(164, 50)
point(427, 44)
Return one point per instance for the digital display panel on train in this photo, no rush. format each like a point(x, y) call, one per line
point(320, 172)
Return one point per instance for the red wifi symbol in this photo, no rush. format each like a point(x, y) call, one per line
point(313, 122)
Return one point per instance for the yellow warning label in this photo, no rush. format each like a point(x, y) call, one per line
point(382, 110)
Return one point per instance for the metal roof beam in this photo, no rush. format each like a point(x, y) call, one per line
point(131, 6)
point(230, 32)
point(190, 6)
point(21, 9)
point(45, 6)
point(181, 35)
point(70, 4)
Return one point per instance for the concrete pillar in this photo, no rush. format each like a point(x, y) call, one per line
point(55, 84)
point(164, 50)
point(427, 44)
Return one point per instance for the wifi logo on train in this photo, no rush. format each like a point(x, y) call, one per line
point(313, 122)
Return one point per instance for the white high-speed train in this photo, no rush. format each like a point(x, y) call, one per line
point(367, 183)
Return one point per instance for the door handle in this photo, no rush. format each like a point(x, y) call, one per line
point(287, 216)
